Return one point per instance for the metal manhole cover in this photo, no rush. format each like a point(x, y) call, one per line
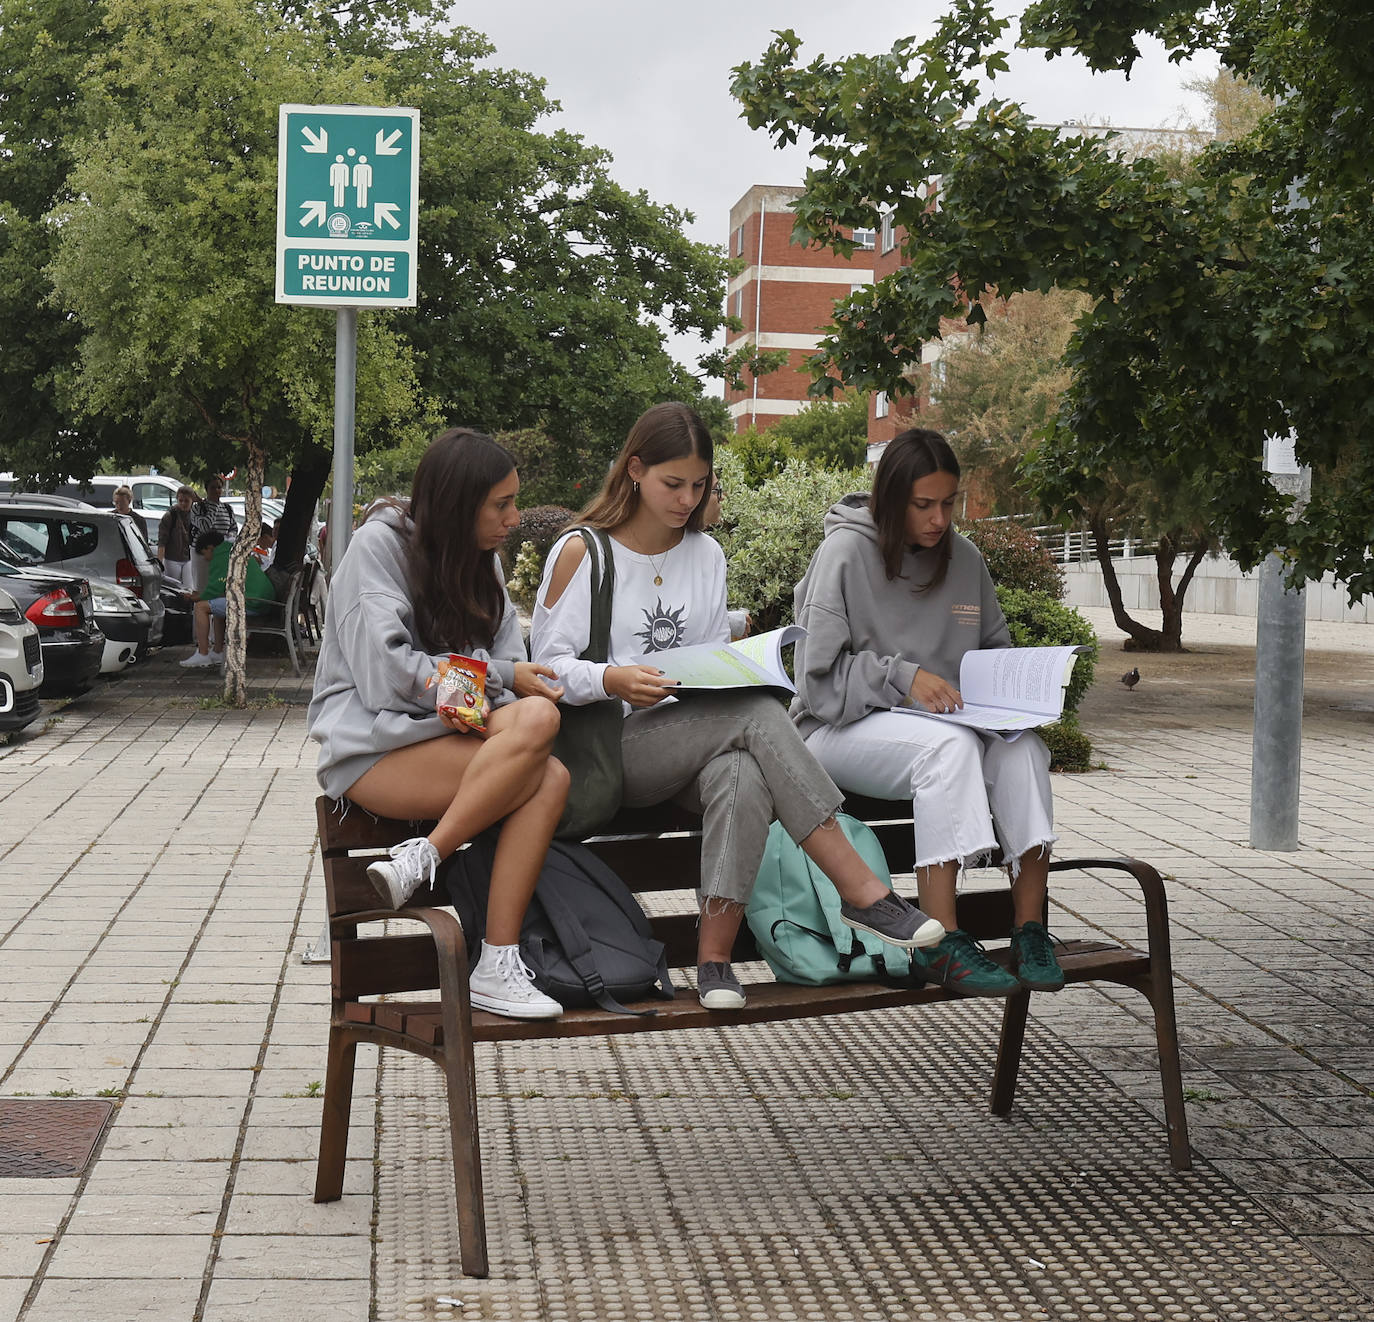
point(41, 1139)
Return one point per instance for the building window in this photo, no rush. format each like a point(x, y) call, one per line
point(864, 239)
point(889, 239)
point(880, 404)
point(738, 309)
point(739, 242)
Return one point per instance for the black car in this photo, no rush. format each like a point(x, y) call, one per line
point(59, 605)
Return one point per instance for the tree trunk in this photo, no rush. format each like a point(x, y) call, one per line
point(236, 621)
point(1170, 596)
point(302, 495)
point(1140, 637)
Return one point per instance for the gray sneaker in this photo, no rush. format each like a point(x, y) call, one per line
point(895, 920)
point(397, 879)
point(718, 988)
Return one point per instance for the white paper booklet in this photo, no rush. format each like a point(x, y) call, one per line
point(1009, 688)
point(750, 663)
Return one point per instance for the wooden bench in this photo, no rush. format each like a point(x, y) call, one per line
point(654, 850)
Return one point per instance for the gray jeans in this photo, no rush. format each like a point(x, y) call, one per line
point(737, 759)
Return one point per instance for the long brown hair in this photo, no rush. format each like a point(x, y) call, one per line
point(453, 584)
point(663, 433)
point(906, 459)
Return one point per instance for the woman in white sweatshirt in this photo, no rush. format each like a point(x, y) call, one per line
point(891, 601)
point(420, 580)
point(732, 756)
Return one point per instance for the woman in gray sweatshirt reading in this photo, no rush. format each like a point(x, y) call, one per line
point(421, 580)
point(891, 601)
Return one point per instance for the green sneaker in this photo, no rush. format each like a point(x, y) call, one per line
point(959, 964)
point(1032, 958)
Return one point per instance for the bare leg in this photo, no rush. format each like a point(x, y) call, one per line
point(1032, 884)
point(936, 886)
point(467, 783)
point(520, 852)
point(202, 624)
point(829, 849)
point(718, 927)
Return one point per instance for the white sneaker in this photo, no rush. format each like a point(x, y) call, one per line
point(411, 862)
point(216, 658)
point(197, 660)
point(502, 984)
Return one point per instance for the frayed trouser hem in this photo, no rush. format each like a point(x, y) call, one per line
point(982, 858)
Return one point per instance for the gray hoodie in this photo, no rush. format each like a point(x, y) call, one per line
point(867, 635)
point(370, 679)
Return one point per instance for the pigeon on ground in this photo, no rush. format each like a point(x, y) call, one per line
point(1131, 678)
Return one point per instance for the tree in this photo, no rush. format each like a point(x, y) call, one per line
point(830, 433)
point(997, 388)
point(539, 277)
point(165, 256)
point(1223, 312)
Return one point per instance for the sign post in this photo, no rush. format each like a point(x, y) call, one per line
point(348, 207)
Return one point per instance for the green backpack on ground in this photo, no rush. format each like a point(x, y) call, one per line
point(794, 914)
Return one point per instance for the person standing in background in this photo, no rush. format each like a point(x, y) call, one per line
point(174, 539)
point(210, 515)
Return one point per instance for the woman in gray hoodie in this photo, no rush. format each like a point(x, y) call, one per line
point(421, 579)
point(891, 601)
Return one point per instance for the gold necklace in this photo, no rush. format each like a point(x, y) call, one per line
point(657, 566)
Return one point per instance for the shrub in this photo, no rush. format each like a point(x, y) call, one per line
point(541, 526)
point(522, 580)
point(1070, 749)
point(770, 532)
point(1016, 557)
point(1036, 619)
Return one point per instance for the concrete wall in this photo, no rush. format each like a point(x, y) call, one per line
point(1218, 588)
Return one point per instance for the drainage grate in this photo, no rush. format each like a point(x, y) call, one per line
point(48, 1138)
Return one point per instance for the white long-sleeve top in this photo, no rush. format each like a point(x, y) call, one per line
point(687, 608)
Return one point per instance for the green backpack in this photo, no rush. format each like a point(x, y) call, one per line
point(794, 914)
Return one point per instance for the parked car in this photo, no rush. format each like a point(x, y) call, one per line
point(59, 606)
point(272, 510)
point(21, 666)
point(126, 623)
point(91, 543)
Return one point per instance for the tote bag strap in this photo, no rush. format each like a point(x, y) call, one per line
point(603, 580)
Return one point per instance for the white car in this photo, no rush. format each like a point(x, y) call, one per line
point(21, 666)
point(124, 620)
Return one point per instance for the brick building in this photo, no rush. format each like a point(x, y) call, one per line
point(784, 297)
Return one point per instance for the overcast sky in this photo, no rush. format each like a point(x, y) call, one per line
point(650, 83)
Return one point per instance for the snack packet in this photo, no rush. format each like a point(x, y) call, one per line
point(462, 687)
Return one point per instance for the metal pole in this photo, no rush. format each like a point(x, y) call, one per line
point(345, 386)
point(1280, 643)
point(341, 510)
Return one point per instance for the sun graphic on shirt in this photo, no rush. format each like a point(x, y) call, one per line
point(663, 627)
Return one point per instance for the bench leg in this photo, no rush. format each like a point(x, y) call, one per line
point(1009, 1052)
point(467, 1154)
point(338, 1103)
point(1159, 991)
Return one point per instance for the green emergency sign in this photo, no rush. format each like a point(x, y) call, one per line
point(347, 205)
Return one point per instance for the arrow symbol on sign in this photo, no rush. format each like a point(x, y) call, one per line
point(386, 211)
point(384, 143)
point(315, 142)
point(314, 213)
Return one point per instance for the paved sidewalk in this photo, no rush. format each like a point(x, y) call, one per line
point(160, 885)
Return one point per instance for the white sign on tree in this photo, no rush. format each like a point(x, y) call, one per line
point(348, 200)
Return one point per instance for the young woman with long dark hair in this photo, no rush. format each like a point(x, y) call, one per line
point(892, 600)
point(732, 756)
point(421, 579)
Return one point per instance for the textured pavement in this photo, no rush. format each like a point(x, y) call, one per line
point(159, 883)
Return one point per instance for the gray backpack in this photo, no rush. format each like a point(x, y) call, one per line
point(585, 938)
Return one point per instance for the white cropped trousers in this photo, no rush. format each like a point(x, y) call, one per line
point(969, 790)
